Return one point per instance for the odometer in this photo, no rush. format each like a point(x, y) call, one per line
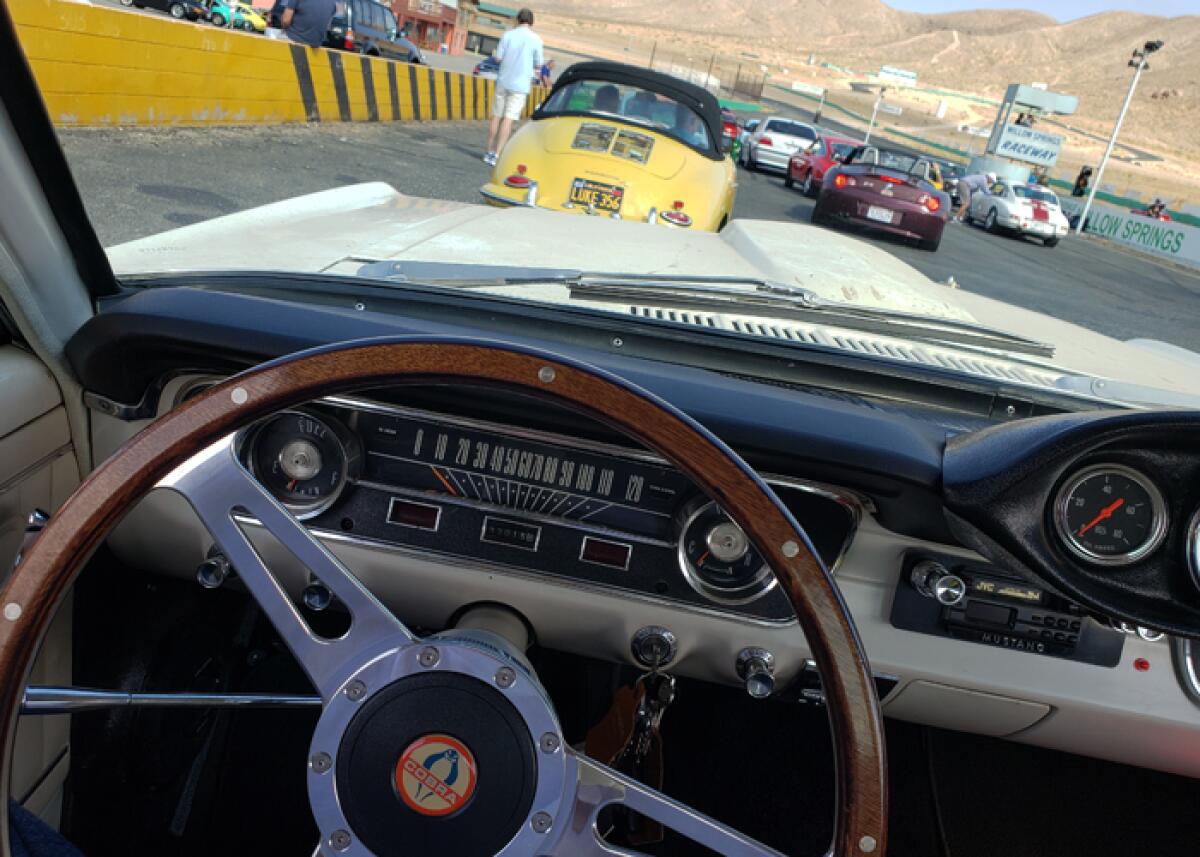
point(1108, 514)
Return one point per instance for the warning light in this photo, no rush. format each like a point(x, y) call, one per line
point(1141, 665)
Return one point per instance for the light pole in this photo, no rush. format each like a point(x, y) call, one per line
point(874, 112)
point(1139, 64)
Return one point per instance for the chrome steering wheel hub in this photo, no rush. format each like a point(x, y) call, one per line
point(447, 745)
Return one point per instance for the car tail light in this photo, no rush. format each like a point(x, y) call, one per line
point(933, 203)
point(676, 216)
point(765, 141)
point(349, 40)
point(890, 179)
point(518, 179)
point(840, 181)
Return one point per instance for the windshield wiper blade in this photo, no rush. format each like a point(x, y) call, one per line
point(734, 294)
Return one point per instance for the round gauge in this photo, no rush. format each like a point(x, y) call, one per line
point(303, 460)
point(1193, 548)
point(1108, 514)
point(717, 558)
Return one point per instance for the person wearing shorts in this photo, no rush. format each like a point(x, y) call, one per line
point(968, 185)
point(520, 57)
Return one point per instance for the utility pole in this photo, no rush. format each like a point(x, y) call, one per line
point(1138, 64)
point(874, 113)
point(708, 74)
point(653, 50)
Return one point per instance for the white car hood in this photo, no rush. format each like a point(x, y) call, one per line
point(338, 231)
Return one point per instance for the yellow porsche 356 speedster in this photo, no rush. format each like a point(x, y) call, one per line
point(623, 142)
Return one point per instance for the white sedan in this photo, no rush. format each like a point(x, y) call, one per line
point(773, 142)
point(1024, 208)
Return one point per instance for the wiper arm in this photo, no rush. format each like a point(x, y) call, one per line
point(745, 295)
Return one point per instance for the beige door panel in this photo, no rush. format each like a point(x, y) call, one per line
point(38, 469)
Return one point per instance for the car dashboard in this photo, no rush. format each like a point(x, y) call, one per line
point(969, 556)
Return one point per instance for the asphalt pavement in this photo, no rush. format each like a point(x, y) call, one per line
point(140, 182)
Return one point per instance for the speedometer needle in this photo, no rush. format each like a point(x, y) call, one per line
point(1105, 514)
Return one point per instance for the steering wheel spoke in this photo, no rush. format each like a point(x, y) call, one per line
point(598, 786)
point(228, 499)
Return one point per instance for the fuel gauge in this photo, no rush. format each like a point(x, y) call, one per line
point(303, 460)
point(717, 558)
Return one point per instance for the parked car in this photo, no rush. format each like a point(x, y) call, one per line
point(621, 142)
point(729, 128)
point(773, 142)
point(189, 10)
point(1025, 209)
point(887, 191)
point(242, 16)
point(370, 28)
point(808, 167)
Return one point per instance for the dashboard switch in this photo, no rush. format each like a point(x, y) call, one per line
point(757, 670)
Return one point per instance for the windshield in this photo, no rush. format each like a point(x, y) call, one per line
point(633, 104)
point(1029, 192)
point(791, 129)
point(841, 150)
point(296, 141)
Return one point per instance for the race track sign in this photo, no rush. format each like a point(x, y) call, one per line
point(1026, 144)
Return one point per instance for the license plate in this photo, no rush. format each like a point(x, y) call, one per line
point(877, 212)
point(597, 195)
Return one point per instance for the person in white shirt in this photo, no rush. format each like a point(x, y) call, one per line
point(520, 57)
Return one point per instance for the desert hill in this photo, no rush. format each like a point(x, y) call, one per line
point(975, 51)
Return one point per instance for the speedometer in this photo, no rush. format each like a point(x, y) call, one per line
point(1109, 514)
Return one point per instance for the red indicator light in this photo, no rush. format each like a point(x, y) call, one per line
point(891, 179)
point(407, 513)
point(839, 181)
point(604, 552)
point(1141, 665)
point(933, 203)
point(678, 205)
point(521, 168)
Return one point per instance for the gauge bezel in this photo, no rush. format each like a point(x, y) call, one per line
point(1193, 548)
point(750, 592)
point(1158, 511)
point(342, 436)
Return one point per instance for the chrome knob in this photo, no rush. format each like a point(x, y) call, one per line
point(213, 571)
point(727, 542)
point(934, 580)
point(756, 667)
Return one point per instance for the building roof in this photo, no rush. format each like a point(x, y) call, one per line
point(497, 9)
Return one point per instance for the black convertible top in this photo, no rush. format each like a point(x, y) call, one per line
point(696, 97)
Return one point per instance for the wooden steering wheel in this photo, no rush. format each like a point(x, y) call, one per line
point(377, 679)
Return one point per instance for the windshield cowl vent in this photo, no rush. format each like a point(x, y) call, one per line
point(885, 347)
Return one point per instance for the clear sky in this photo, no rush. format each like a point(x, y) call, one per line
point(1063, 10)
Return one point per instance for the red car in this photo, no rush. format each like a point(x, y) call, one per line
point(887, 191)
point(729, 126)
point(808, 167)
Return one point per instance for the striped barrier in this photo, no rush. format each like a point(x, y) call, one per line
point(100, 67)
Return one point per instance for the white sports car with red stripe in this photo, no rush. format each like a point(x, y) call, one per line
point(1029, 209)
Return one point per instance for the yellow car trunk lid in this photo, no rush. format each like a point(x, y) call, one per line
point(615, 143)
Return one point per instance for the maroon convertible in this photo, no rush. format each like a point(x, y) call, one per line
point(885, 190)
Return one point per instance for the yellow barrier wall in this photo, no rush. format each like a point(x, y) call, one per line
point(99, 66)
